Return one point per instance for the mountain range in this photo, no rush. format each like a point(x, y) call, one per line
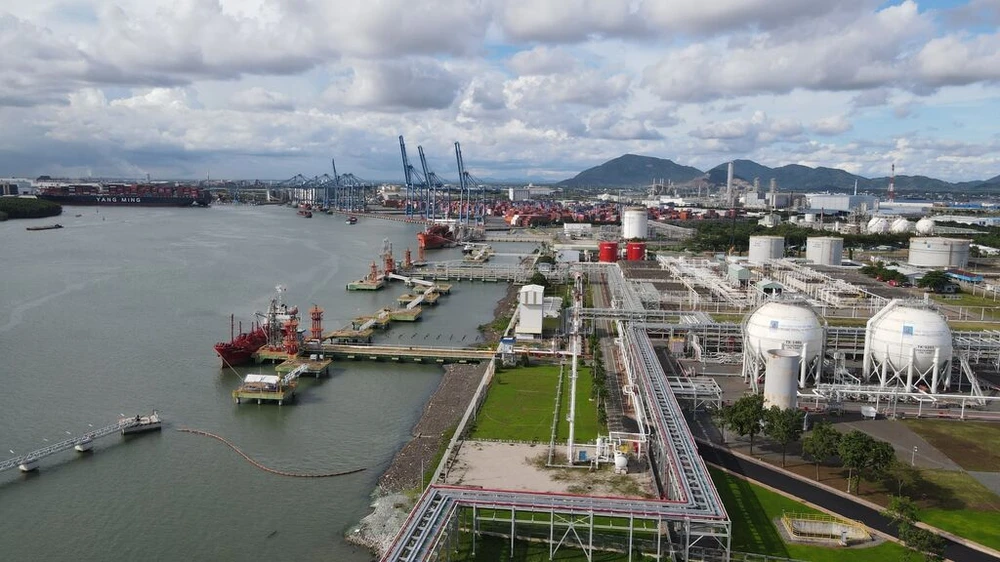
point(631, 170)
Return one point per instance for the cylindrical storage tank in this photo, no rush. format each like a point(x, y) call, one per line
point(607, 252)
point(939, 252)
point(907, 329)
point(925, 226)
point(810, 217)
point(635, 223)
point(825, 250)
point(763, 248)
point(792, 326)
point(781, 379)
point(635, 251)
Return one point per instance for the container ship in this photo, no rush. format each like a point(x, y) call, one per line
point(436, 236)
point(126, 195)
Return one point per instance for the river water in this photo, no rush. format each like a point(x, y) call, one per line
point(117, 313)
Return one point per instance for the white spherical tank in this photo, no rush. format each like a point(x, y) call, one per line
point(925, 226)
point(878, 225)
point(781, 379)
point(892, 336)
point(939, 252)
point(901, 226)
point(635, 223)
point(621, 461)
point(764, 248)
point(871, 222)
point(784, 325)
point(825, 250)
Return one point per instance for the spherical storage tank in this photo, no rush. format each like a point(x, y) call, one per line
point(635, 223)
point(792, 326)
point(939, 252)
point(878, 225)
point(901, 226)
point(635, 251)
point(925, 226)
point(763, 248)
point(607, 252)
point(907, 327)
point(825, 250)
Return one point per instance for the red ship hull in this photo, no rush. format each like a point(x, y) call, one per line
point(436, 236)
point(240, 351)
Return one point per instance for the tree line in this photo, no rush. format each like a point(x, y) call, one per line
point(27, 208)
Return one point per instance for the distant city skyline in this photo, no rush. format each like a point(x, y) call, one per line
point(534, 90)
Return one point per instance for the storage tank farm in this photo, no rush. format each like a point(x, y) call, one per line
point(789, 325)
point(781, 379)
point(908, 344)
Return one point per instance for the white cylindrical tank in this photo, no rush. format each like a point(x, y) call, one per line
point(621, 461)
point(901, 226)
point(810, 217)
point(825, 250)
point(907, 329)
point(925, 226)
point(878, 225)
point(635, 223)
point(763, 248)
point(792, 326)
point(781, 379)
point(939, 252)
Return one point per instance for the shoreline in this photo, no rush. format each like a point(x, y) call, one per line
point(393, 496)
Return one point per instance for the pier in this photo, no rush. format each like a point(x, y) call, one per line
point(82, 444)
point(399, 353)
point(270, 388)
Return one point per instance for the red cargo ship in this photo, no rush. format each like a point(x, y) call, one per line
point(240, 349)
point(436, 236)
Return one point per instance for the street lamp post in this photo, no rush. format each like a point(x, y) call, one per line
point(913, 456)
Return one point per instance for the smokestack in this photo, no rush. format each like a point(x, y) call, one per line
point(729, 184)
point(892, 184)
point(855, 187)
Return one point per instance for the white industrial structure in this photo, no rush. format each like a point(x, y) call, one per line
point(635, 223)
point(829, 203)
point(790, 325)
point(939, 252)
point(765, 248)
point(901, 226)
point(878, 225)
point(925, 226)
point(530, 311)
point(908, 344)
point(781, 379)
point(825, 250)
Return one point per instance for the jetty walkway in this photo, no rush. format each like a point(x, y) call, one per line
point(406, 353)
point(81, 443)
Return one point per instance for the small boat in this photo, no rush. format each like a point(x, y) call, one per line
point(141, 424)
point(468, 248)
point(305, 213)
point(352, 220)
point(78, 216)
point(46, 227)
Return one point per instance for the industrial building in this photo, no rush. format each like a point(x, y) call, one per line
point(530, 311)
point(836, 202)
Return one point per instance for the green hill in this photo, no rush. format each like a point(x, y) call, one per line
point(632, 170)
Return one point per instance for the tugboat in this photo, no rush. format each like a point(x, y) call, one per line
point(352, 220)
point(240, 349)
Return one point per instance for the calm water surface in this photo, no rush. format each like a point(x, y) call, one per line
point(117, 313)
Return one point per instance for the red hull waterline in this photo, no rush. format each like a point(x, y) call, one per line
point(240, 350)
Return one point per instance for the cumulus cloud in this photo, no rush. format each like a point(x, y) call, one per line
point(590, 88)
point(541, 60)
point(832, 125)
point(613, 125)
point(259, 98)
point(406, 84)
point(566, 20)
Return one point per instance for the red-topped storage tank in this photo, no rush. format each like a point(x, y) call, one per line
point(635, 251)
point(607, 252)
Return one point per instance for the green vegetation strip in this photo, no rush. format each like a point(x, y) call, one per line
point(26, 208)
point(519, 405)
point(753, 511)
point(973, 445)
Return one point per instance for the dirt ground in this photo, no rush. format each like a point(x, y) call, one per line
point(516, 466)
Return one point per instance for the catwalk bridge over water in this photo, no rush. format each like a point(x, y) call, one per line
point(81, 443)
point(407, 354)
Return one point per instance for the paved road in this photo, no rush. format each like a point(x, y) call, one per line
point(827, 500)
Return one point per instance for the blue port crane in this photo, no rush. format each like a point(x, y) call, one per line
point(414, 191)
point(433, 182)
point(471, 193)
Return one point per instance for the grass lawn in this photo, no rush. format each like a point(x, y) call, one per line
point(973, 445)
point(753, 510)
point(978, 526)
point(520, 404)
point(956, 502)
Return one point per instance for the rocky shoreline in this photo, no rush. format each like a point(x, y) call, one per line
point(394, 496)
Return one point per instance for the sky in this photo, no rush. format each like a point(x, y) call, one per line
point(532, 89)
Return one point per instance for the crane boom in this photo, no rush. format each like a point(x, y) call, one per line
point(431, 192)
point(461, 182)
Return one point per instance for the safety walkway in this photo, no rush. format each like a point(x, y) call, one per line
point(83, 441)
point(400, 353)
